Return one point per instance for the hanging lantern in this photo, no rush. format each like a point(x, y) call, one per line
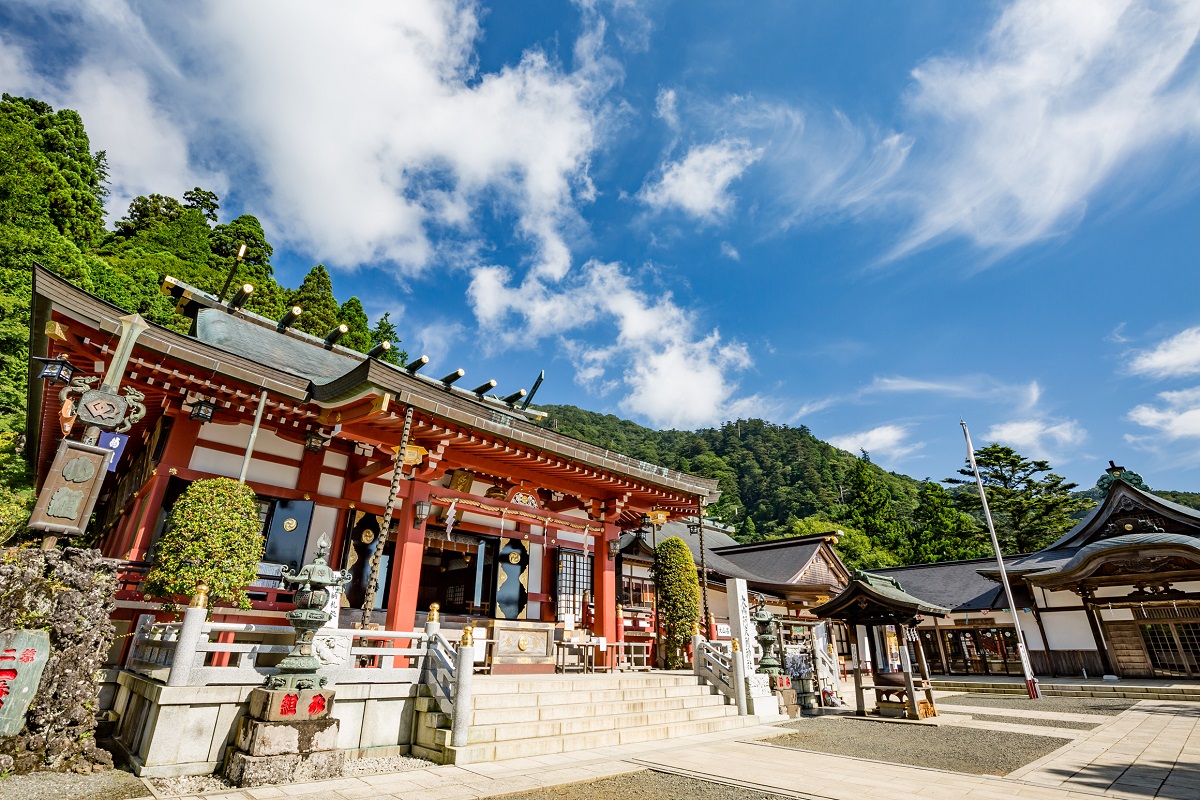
point(202, 410)
point(56, 370)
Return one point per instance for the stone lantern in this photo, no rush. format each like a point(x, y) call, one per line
point(289, 734)
point(767, 636)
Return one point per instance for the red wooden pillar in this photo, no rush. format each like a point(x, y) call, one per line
point(604, 585)
point(178, 453)
point(405, 574)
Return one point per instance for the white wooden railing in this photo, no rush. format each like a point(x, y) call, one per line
point(192, 653)
point(723, 668)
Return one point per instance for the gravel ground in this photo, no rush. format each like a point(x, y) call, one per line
point(113, 784)
point(1041, 723)
point(196, 784)
point(973, 750)
point(189, 784)
point(379, 766)
point(646, 786)
point(1108, 706)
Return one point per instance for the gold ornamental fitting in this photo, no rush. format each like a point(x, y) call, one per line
point(200, 598)
point(468, 637)
point(737, 648)
point(695, 629)
point(434, 609)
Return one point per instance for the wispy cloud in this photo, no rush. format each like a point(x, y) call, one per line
point(1015, 140)
point(886, 443)
point(730, 252)
point(1039, 437)
point(698, 184)
point(1173, 357)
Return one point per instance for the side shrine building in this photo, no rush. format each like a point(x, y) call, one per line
point(494, 517)
point(1118, 594)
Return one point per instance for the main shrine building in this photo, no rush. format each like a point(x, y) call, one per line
point(494, 516)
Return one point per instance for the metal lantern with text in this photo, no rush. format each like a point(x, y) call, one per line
point(202, 410)
point(298, 669)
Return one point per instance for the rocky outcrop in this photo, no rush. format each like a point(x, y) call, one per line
point(69, 594)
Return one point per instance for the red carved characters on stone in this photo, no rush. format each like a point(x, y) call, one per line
point(6, 674)
point(287, 707)
point(317, 705)
point(28, 655)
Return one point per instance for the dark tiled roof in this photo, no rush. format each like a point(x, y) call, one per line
point(247, 339)
point(956, 585)
point(779, 565)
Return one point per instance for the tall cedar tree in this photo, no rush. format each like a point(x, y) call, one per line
point(385, 331)
point(870, 510)
point(678, 592)
point(355, 318)
point(315, 296)
point(269, 298)
point(941, 531)
point(1030, 505)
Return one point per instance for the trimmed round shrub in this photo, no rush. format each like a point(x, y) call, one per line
point(213, 536)
point(678, 591)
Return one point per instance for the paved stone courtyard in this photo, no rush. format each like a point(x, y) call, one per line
point(1149, 751)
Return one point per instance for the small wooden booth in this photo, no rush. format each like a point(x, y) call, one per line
point(875, 602)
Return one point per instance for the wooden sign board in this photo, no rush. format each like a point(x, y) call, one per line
point(23, 655)
point(71, 488)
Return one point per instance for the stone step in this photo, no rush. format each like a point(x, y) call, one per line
point(1114, 690)
point(491, 684)
point(499, 751)
point(525, 714)
point(587, 697)
point(480, 734)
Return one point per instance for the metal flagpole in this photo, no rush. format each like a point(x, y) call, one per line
point(1030, 681)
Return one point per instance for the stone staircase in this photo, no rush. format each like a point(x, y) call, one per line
point(532, 715)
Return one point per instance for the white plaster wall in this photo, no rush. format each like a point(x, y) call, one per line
point(235, 435)
point(215, 462)
point(537, 555)
point(375, 494)
point(1058, 599)
point(336, 460)
point(718, 603)
point(1033, 636)
point(1117, 614)
point(1068, 630)
point(570, 538)
point(330, 485)
point(274, 474)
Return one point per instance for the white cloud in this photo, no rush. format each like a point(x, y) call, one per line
point(698, 184)
point(1173, 357)
point(671, 371)
point(886, 443)
point(436, 340)
point(664, 108)
point(1177, 417)
point(1037, 437)
point(1016, 139)
point(730, 252)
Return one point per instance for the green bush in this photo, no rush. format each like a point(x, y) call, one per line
point(213, 535)
point(678, 597)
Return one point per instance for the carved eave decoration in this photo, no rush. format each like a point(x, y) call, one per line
point(1125, 560)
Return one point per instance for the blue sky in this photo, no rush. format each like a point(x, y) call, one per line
point(870, 220)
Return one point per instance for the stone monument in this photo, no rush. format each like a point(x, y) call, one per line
point(289, 734)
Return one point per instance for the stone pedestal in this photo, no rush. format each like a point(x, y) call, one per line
point(288, 736)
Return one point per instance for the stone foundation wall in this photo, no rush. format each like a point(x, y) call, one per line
point(67, 593)
point(185, 730)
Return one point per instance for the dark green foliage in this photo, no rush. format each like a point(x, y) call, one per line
point(1031, 506)
point(205, 201)
point(213, 536)
point(355, 318)
point(678, 591)
point(48, 176)
point(385, 331)
point(269, 298)
point(941, 531)
point(315, 296)
point(870, 509)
